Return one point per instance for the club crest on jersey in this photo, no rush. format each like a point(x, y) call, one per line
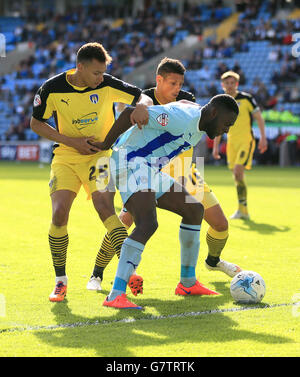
point(94, 98)
point(163, 119)
point(37, 100)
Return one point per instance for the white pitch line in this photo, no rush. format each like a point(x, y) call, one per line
point(148, 318)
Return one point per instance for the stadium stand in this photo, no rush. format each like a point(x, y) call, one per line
point(258, 46)
point(11, 28)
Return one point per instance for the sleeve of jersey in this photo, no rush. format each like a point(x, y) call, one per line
point(186, 95)
point(42, 104)
point(123, 92)
point(253, 106)
point(150, 93)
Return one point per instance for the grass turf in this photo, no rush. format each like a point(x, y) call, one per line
point(170, 325)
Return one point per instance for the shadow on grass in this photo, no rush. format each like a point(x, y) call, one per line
point(124, 331)
point(262, 228)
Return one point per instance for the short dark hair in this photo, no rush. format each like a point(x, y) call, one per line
point(168, 65)
point(93, 50)
point(225, 100)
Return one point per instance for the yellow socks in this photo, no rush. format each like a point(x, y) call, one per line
point(58, 242)
point(241, 189)
point(111, 244)
point(216, 242)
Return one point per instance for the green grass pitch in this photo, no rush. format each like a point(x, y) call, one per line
point(170, 325)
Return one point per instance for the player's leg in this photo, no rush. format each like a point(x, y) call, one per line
point(177, 200)
point(241, 161)
point(142, 206)
point(217, 233)
point(102, 190)
point(106, 253)
point(116, 232)
point(216, 238)
point(64, 186)
point(241, 189)
point(59, 239)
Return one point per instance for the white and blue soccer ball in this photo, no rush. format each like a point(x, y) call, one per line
point(247, 287)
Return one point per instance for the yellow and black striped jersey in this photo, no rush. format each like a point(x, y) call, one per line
point(242, 128)
point(81, 112)
point(182, 95)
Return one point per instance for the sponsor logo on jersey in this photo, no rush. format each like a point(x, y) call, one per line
point(65, 101)
point(86, 120)
point(163, 119)
point(94, 98)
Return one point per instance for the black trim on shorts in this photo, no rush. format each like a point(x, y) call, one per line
point(249, 152)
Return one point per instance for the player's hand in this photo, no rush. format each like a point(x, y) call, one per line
point(100, 145)
point(126, 218)
point(140, 115)
point(216, 154)
point(262, 145)
point(83, 145)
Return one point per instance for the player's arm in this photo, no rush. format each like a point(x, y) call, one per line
point(121, 125)
point(263, 143)
point(140, 115)
point(215, 151)
point(45, 130)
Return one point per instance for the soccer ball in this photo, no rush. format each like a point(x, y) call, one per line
point(247, 287)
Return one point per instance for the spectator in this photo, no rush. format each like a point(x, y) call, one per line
point(274, 55)
point(294, 94)
point(205, 73)
point(15, 132)
point(221, 68)
point(135, 40)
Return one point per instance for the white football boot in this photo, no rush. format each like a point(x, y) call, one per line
point(228, 268)
point(94, 284)
point(239, 215)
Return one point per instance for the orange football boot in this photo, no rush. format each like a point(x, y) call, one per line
point(59, 293)
point(121, 302)
point(197, 289)
point(135, 283)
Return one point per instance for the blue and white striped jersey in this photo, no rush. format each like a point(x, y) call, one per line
point(172, 129)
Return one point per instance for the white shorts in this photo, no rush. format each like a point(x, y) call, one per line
point(138, 175)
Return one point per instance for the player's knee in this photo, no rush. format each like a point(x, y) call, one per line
point(105, 210)
point(147, 227)
point(199, 212)
point(60, 216)
point(238, 173)
point(238, 177)
point(103, 203)
point(150, 228)
point(220, 224)
point(194, 213)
